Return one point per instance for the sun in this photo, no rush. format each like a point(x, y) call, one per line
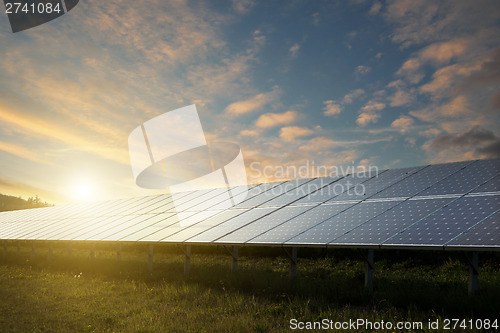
point(83, 189)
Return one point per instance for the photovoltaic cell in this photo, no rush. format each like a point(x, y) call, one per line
point(380, 181)
point(448, 222)
point(231, 225)
point(195, 229)
point(348, 184)
point(466, 179)
point(391, 222)
point(492, 185)
point(299, 224)
point(486, 233)
point(340, 224)
point(419, 181)
point(263, 224)
point(271, 192)
point(298, 192)
point(192, 219)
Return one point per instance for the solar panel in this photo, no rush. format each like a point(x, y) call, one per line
point(251, 230)
point(466, 179)
point(304, 189)
point(484, 234)
point(336, 188)
point(448, 222)
point(190, 218)
point(271, 192)
point(195, 229)
point(493, 185)
point(420, 180)
point(454, 205)
point(231, 225)
point(391, 222)
point(376, 184)
point(301, 223)
point(341, 223)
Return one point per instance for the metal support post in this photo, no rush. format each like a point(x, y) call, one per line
point(473, 272)
point(92, 252)
point(369, 270)
point(32, 256)
point(293, 261)
point(119, 252)
point(150, 259)
point(187, 261)
point(70, 248)
point(49, 255)
point(234, 255)
point(235, 259)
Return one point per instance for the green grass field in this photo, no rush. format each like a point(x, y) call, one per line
point(104, 295)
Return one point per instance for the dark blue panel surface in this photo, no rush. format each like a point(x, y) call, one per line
point(301, 223)
point(466, 179)
point(392, 221)
point(340, 224)
point(448, 222)
point(486, 233)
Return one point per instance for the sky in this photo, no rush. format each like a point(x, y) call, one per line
point(327, 83)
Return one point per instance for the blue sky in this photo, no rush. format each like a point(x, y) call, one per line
point(384, 83)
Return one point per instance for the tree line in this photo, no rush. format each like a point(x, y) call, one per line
point(8, 202)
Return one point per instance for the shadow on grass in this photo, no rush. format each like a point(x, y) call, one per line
point(421, 281)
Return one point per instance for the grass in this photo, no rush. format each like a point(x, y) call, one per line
point(104, 295)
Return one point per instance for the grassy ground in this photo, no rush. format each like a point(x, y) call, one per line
point(77, 295)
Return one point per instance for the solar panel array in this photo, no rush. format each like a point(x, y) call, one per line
point(453, 205)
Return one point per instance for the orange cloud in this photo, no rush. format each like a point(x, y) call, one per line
point(290, 133)
point(331, 108)
point(366, 118)
point(32, 125)
point(403, 123)
point(269, 120)
point(254, 103)
point(444, 51)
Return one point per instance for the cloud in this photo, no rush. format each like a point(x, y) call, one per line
point(269, 120)
point(352, 95)
point(362, 70)
point(41, 128)
point(411, 70)
point(249, 133)
point(373, 106)
point(366, 118)
point(477, 142)
point(375, 8)
point(22, 152)
point(427, 21)
point(369, 113)
point(403, 123)
point(243, 6)
point(488, 72)
point(445, 78)
point(294, 50)
point(331, 108)
point(252, 104)
point(473, 137)
point(430, 133)
point(315, 19)
point(444, 51)
point(290, 133)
